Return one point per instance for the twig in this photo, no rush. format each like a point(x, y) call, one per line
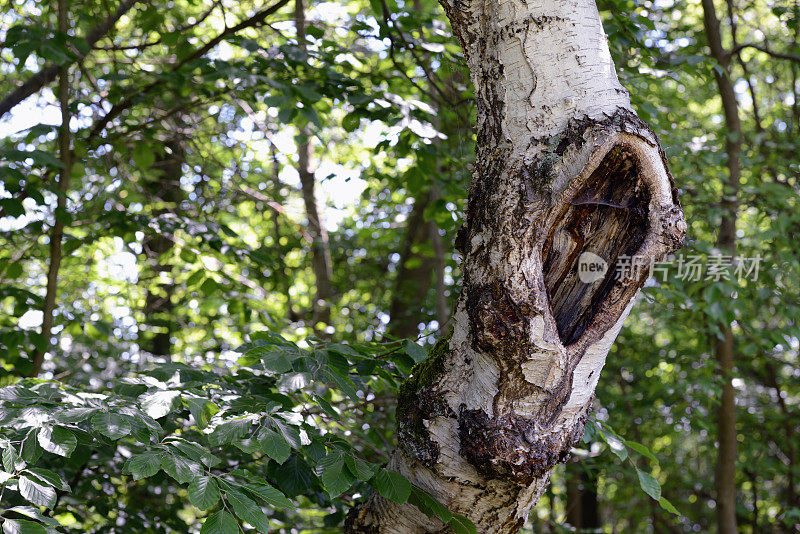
point(57, 233)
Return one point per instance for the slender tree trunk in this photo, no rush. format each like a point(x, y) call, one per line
point(57, 232)
point(795, 95)
point(791, 441)
point(321, 252)
point(572, 481)
point(284, 281)
point(565, 174)
point(439, 265)
point(745, 70)
point(725, 478)
point(413, 279)
point(583, 511)
point(163, 187)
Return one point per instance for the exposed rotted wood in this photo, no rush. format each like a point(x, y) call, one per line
point(608, 218)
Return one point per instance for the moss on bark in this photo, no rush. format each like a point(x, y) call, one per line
point(418, 400)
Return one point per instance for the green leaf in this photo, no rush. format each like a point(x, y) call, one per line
point(273, 445)
point(62, 215)
point(417, 353)
point(33, 513)
point(202, 410)
point(111, 425)
point(428, 505)
point(248, 445)
point(350, 122)
point(615, 444)
point(12, 207)
point(31, 450)
point(270, 495)
point(74, 415)
point(11, 460)
point(55, 52)
point(36, 492)
point(209, 287)
point(49, 477)
point(195, 452)
point(181, 469)
point(393, 485)
point(361, 469)
point(144, 465)
point(641, 449)
point(461, 525)
point(325, 406)
point(220, 523)
point(666, 505)
point(332, 473)
point(14, 270)
point(649, 484)
point(274, 357)
point(157, 404)
point(247, 510)
point(289, 432)
point(308, 92)
point(143, 156)
point(22, 526)
point(342, 382)
point(203, 492)
point(294, 476)
point(57, 440)
point(230, 431)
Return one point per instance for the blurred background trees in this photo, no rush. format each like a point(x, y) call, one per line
point(232, 170)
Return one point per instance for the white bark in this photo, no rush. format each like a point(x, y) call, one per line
point(563, 166)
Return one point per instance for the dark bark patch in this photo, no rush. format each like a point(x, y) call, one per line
point(497, 323)
point(603, 224)
point(356, 520)
point(510, 447)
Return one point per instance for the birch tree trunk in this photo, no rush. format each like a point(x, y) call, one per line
point(565, 173)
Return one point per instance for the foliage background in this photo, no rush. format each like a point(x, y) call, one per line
point(193, 389)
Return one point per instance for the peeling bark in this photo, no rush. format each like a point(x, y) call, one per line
point(564, 168)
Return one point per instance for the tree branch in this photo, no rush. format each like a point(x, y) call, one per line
point(766, 50)
point(117, 109)
point(48, 74)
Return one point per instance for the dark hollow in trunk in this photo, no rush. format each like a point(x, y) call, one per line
point(608, 218)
